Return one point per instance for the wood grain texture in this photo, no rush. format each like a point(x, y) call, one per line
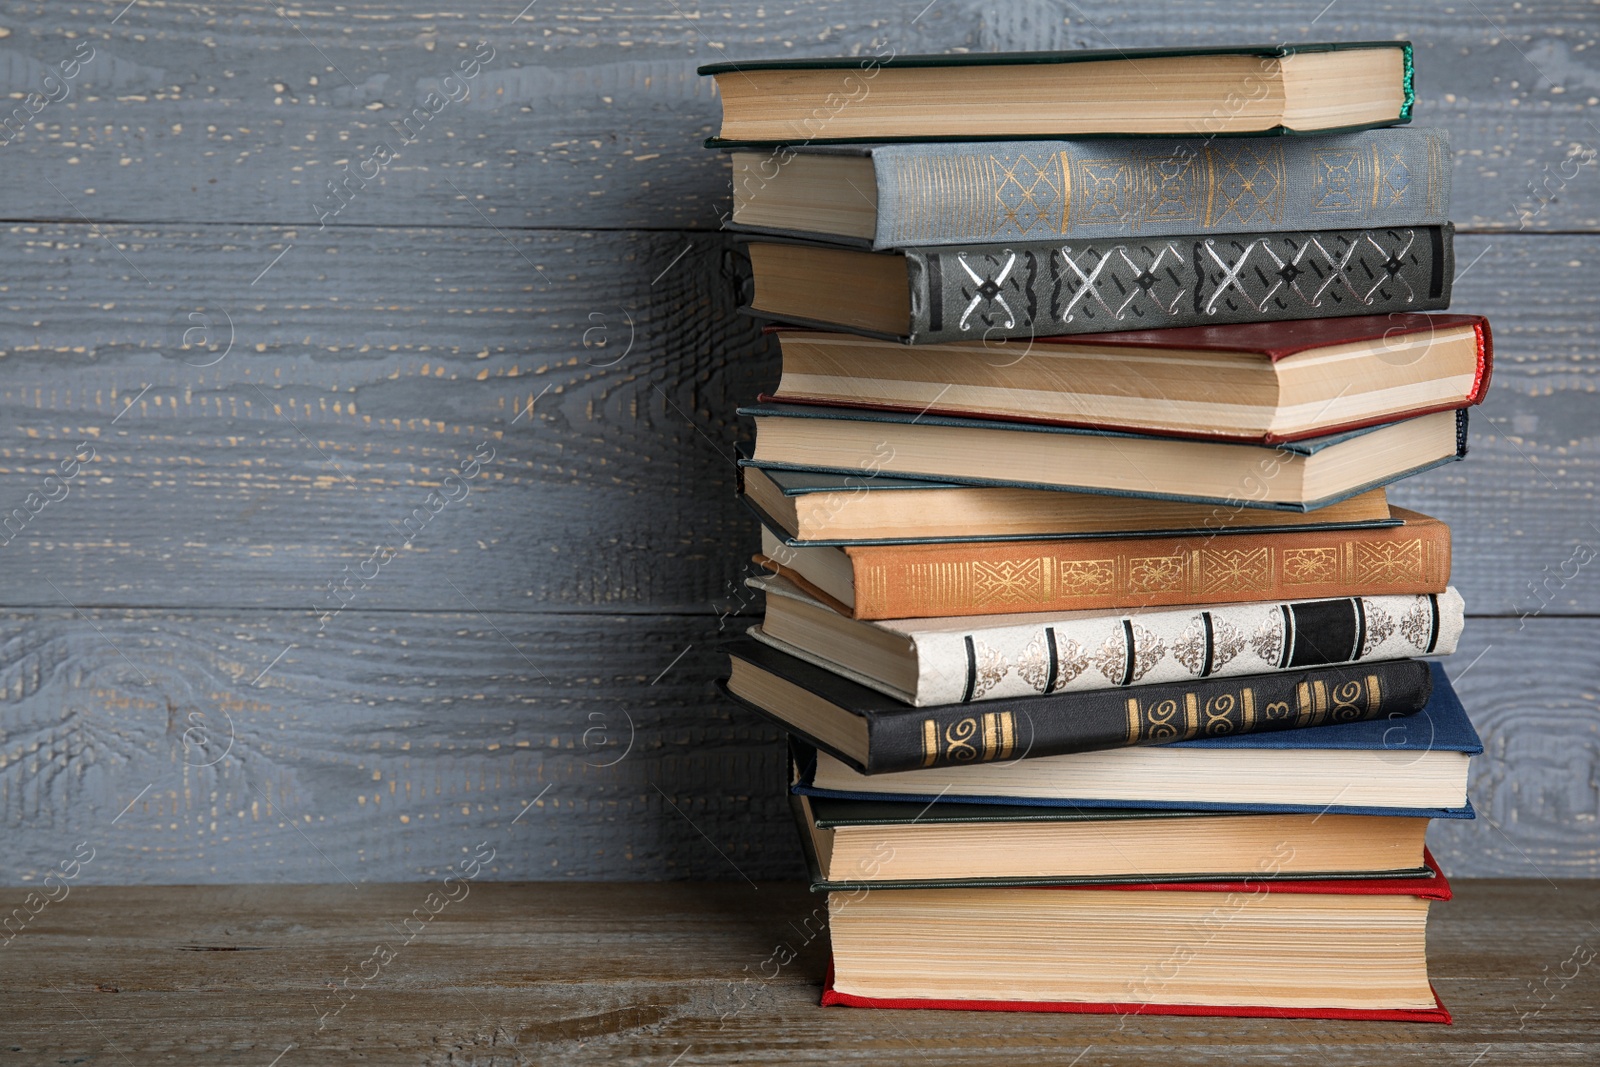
point(594, 116)
point(1532, 688)
point(357, 379)
point(202, 746)
point(550, 238)
point(684, 974)
point(226, 747)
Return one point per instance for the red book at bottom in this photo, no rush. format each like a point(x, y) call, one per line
point(1435, 888)
point(1440, 1014)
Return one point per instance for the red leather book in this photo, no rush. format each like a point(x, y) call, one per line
point(1439, 1014)
point(1427, 888)
point(1230, 382)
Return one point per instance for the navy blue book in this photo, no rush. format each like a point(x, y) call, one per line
point(1411, 765)
point(1290, 476)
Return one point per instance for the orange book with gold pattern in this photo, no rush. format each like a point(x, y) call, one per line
point(995, 578)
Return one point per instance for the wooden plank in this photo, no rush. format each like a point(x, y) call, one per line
point(247, 746)
point(1534, 697)
point(358, 379)
point(680, 973)
point(357, 382)
point(594, 117)
point(254, 747)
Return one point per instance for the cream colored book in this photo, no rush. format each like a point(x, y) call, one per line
point(928, 662)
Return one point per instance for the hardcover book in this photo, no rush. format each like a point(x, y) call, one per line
point(1264, 382)
point(931, 661)
point(992, 292)
point(804, 508)
point(1335, 948)
point(833, 998)
point(995, 578)
point(972, 193)
point(875, 734)
point(1292, 475)
point(1411, 765)
point(854, 844)
point(1196, 92)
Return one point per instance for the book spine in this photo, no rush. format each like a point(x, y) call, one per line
point(1147, 715)
point(1044, 289)
point(940, 194)
point(995, 578)
point(1175, 647)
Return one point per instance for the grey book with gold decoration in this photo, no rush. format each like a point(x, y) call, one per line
point(956, 193)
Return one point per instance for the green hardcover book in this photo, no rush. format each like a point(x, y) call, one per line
point(1291, 476)
point(1195, 92)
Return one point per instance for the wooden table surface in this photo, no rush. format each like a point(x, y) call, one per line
point(675, 974)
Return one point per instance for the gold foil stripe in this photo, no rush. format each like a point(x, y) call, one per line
point(999, 735)
point(1247, 721)
point(1373, 696)
point(942, 587)
point(1066, 190)
point(1191, 715)
point(1211, 185)
point(1133, 720)
point(1377, 175)
point(930, 742)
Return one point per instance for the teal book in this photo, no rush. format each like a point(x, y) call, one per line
point(1290, 476)
point(959, 193)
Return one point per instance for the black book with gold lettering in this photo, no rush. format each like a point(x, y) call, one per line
point(876, 734)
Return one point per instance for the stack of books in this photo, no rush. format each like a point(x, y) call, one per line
point(1099, 641)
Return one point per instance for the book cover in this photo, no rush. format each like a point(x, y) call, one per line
point(867, 66)
point(1006, 657)
point(1045, 56)
point(1426, 882)
point(827, 814)
point(831, 997)
point(989, 578)
point(1097, 285)
point(973, 193)
point(1271, 342)
point(901, 738)
point(838, 490)
point(1441, 725)
point(1431, 886)
point(886, 455)
point(1275, 341)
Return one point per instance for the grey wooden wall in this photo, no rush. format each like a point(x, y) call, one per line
point(224, 390)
